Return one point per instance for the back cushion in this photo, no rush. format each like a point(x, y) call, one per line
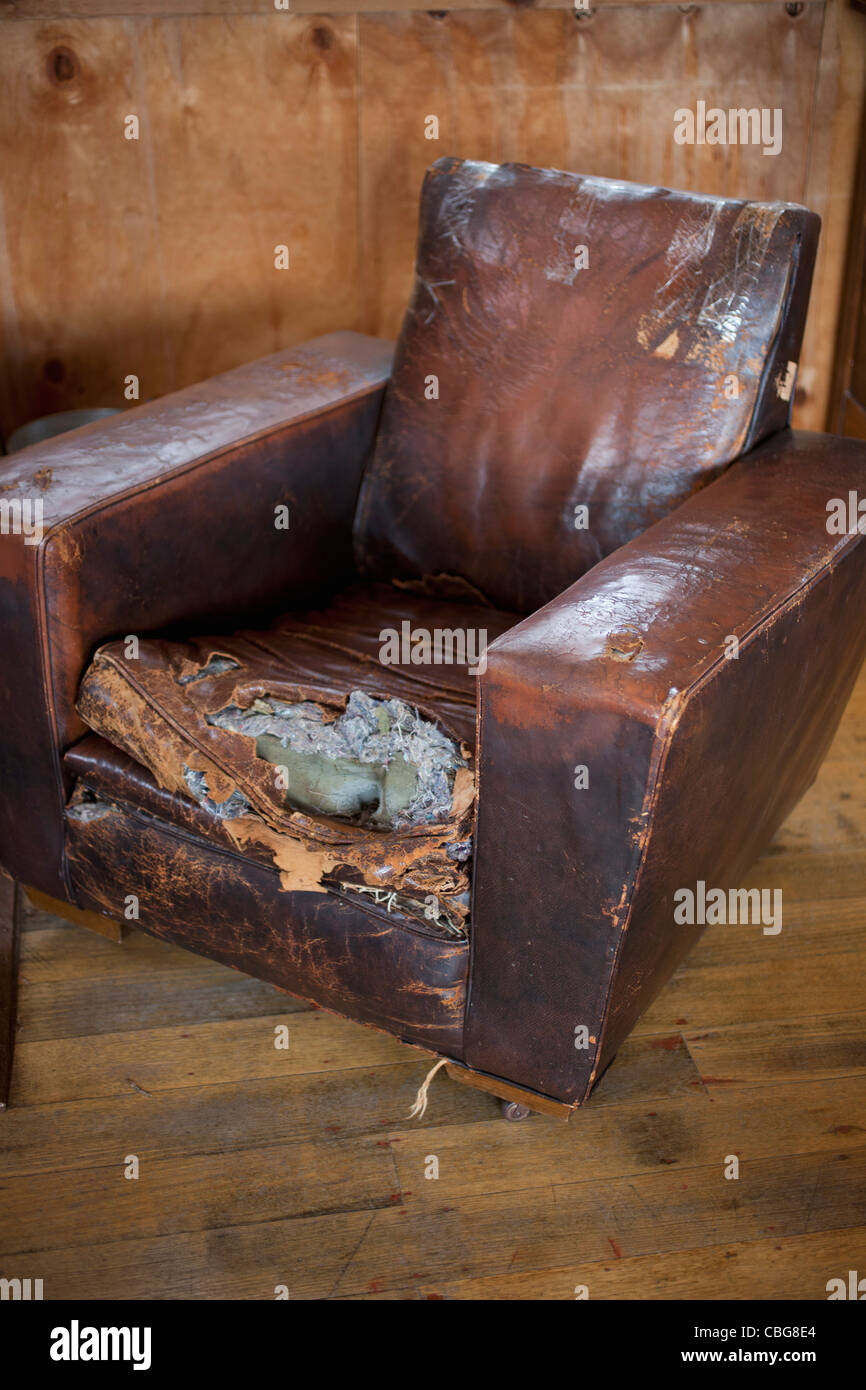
point(578, 356)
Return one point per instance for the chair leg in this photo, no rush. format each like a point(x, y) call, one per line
point(10, 908)
point(513, 1110)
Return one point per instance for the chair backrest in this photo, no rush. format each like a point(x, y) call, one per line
point(578, 356)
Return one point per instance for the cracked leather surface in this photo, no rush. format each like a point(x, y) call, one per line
point(159, 708)
point(605, 386)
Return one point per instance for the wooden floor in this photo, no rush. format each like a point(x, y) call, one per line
point(261, 1168)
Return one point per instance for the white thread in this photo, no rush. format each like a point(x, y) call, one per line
point(420, 1105)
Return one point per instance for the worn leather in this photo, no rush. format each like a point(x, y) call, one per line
point(113, 775)
point(165, 514)
point(355, 959)
point(606, 387)
point(694, 760)
point(158, 708)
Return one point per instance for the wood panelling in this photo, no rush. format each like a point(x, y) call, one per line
point(254, 130)
point(23, 9)
point(155, 256)
point(848, 391)
point(81, 293)
point(260, 127)
point(596, 95)
point(834, 161)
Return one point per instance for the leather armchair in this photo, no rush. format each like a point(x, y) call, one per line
point(578, 469)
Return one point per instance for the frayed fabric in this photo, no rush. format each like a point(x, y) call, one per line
point(420, 1106)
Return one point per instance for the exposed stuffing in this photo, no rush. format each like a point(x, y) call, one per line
point(236, 805)
point(340, 796)
point(379, 762)
point(88, 807)
point(432, 911)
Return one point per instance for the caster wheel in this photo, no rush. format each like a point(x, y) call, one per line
point(512, 1110)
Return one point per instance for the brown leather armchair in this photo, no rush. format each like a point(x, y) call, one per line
point(511, 645)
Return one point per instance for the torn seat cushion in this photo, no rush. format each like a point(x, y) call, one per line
point(125, 835)
point(347, 770)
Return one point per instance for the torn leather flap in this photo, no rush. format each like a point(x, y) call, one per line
point(160, 708)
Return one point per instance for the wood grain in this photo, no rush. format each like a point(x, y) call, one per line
point(260, 128)
point(591, 1220)
point(9, 932)
point(629, 1139)
point(835, 143)
point(110, 1064)
point(597, 96)
point(83, 303)
point(797, 1268)
point(185, 1193)
point(93, 921)
point(155, 257)
point(30, 8)
point(309, 1106)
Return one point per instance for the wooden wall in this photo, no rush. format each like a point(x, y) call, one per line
point(259, 127)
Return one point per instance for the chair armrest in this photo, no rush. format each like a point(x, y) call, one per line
point(695, 750)
point(162, 514)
